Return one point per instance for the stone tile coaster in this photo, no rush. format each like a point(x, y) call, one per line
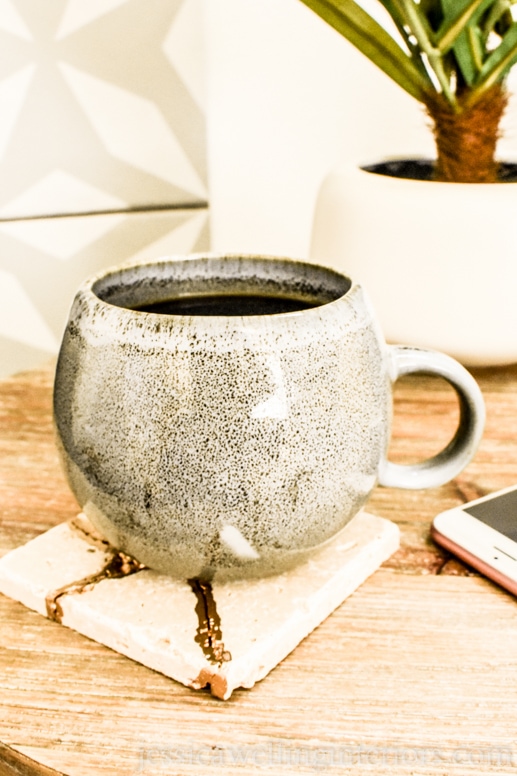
point(225, 635)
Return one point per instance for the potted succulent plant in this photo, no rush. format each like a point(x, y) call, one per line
point(433, 240)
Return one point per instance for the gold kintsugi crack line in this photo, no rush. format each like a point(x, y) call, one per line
point(81, 526)
point(208, 635)
point(118, 565)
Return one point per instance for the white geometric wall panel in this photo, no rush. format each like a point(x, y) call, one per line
point(101, 105)
point(44, 260)
point(102, 152)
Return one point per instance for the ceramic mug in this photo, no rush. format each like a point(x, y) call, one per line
point(227, 415)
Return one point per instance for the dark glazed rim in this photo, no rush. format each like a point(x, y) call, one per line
point(422, 170)
point(132, 285)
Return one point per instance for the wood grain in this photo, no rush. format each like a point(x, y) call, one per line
point(13, 763)
point(412, 675)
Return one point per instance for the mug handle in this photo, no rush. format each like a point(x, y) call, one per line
point(444, 466)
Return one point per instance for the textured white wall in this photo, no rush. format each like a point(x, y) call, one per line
point(102, 112)
point(288, 99)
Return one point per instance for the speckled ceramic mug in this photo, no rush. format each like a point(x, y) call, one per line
point(234, 445)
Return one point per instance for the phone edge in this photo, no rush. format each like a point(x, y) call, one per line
point(507, 583)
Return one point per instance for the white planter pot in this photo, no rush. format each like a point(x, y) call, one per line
point(439, 260)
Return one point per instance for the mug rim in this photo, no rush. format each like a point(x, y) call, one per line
point(103, 286)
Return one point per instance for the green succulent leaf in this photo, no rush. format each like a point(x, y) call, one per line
point(467, 42)
point(455, 23)
point(420, 27)
point(498, 18)
point(496, 67)
point(445, 45)
point(477, 49)
point(367, 35)
point(400, 21)
point(433, 11)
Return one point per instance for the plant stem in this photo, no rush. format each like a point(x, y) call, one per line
point(466, 141)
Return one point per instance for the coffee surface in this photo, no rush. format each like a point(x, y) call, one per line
point(227, 304)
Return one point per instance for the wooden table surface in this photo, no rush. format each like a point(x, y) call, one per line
point(414, 674)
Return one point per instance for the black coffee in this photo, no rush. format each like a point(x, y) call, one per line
point(227, 304)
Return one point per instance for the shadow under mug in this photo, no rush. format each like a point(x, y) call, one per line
point(225, 416)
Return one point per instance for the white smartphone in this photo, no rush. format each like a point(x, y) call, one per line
point(483, 533)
